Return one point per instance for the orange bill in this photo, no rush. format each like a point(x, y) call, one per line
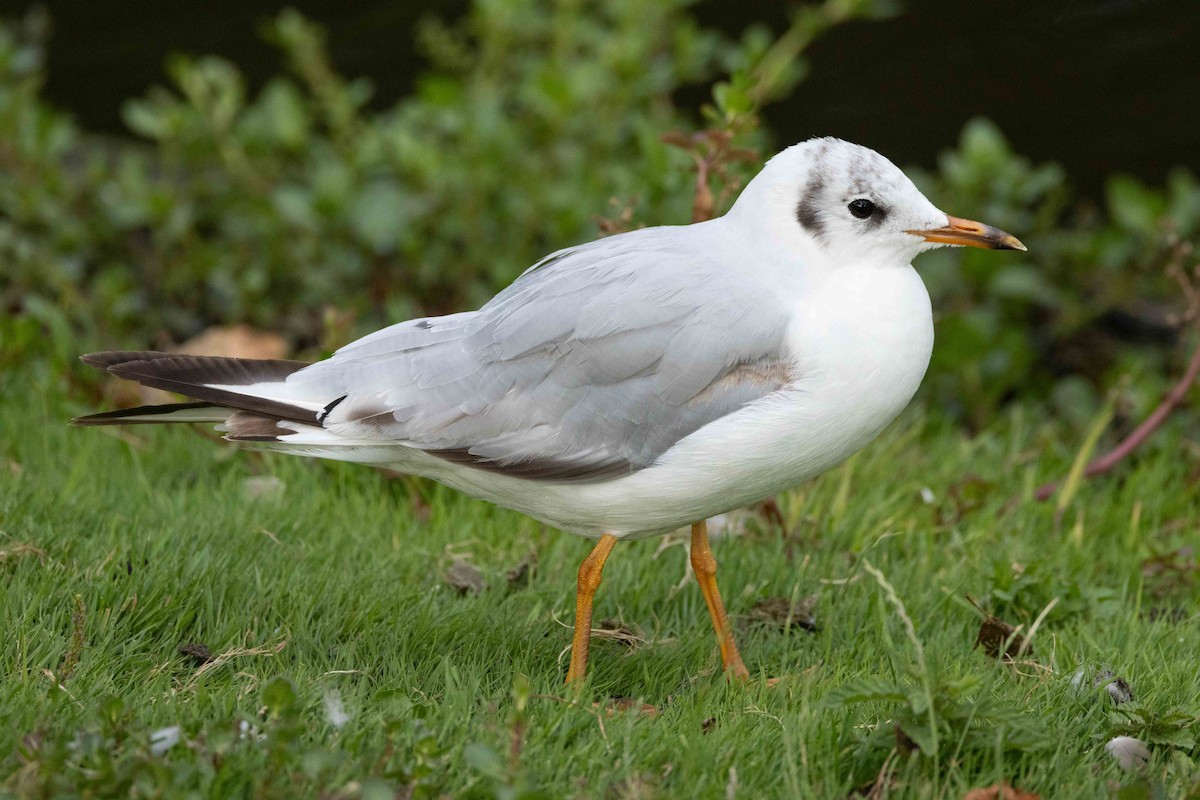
point(971, 234)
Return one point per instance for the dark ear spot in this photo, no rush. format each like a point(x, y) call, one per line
point(876, 219)
point(808, 212)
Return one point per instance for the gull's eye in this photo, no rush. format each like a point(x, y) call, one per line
point(861, 209)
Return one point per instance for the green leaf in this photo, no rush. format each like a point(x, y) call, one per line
point(111, 709)
point(144, 118)
point(1083, 457)
point(484, 759)
point(922, 735)
point(378, 789)
point(865, 690)
point(1140, 790)
point(1024, 282)
point(1134, 207)
point(279, 696)
point(377, 215)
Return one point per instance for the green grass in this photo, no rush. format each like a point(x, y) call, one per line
point(461, 696)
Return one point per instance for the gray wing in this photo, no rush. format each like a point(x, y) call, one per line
point(592, 364)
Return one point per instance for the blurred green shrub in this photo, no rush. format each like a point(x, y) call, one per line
point(537, 121)
point(1091, 297)
point(536, 118)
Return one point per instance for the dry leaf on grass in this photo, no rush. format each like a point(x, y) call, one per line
point(964, 497)
point(1170, 572)
point(518, 576)
point(621, 705)
point(235, 341)
point(464, 578)
point(197, 651)
point(780, 612)
point(227, 341)
point(1000, 639)
point(238, 652)
point(19, 550)
point(904, 743)
point(617, 631)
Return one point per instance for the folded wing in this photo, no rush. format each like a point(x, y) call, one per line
point(592, 364)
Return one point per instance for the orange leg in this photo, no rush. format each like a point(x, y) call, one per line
point(705, 567)
point(589, 580)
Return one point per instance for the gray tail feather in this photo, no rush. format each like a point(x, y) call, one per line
point(195, 376)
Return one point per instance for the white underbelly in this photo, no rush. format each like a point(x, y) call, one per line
point(861, 357)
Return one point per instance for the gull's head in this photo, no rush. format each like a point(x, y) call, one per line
point(837, 203)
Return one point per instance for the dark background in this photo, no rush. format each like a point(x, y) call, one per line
point(1101, 86)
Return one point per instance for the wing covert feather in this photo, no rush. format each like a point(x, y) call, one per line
point(591, 364)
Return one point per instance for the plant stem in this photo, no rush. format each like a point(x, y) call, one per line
point(1140, 434)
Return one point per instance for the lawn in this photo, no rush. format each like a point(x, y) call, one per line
point(329, 656)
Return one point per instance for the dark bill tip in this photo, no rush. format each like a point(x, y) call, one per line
point(969, 233)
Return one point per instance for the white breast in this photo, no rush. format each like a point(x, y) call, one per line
point(862, 341)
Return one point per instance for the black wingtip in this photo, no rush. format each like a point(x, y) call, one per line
point(211, 379)
point(111, 358)
point(146, 415)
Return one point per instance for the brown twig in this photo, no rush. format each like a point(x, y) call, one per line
point(713, 153)
point(770, 511)
point(1140, 434)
